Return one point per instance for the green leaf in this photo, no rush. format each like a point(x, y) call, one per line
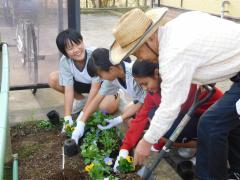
point(87, 161)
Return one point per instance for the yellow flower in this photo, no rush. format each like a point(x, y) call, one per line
point(129, 159)
point(72, 128)
point(68, 126)
point(89, 167)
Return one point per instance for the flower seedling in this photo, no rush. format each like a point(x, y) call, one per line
point(97, 147)
point(108, 140)
point(43, 124)
point(69, 128)
point(99, 170)
point(98, 118)
point(126, 165)
point(90, 153)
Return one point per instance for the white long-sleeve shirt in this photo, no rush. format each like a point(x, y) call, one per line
point(196, 48)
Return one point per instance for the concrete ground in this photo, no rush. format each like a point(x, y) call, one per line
point(24, 106)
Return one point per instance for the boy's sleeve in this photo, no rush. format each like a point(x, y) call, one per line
point(138, 125)
point(108, 88)
point(96, 79)
point(65, 75)
point(139, 93)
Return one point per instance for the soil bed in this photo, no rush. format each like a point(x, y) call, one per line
point(40, 155)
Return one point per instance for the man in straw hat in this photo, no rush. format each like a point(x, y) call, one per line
point(197, 48)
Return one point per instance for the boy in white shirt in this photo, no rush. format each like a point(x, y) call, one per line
point(115, 77)
point(73, 79)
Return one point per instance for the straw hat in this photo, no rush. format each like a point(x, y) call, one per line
point(132, 30)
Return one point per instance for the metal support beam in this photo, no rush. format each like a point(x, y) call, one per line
point(31, 86)
point(74, 14)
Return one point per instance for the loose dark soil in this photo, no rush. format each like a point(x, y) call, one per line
point(69, 174)
point(40, 155)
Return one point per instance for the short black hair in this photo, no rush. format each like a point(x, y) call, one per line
point(68, 35)
point(99, 60)
point(144, 68)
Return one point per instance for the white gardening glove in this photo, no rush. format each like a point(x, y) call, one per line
point(238, 106)
point(79, 129)
point(122, 153)
point(67, 120)
point(79, 116)
point(111, 123)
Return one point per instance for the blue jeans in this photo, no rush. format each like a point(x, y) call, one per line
point(219, 138)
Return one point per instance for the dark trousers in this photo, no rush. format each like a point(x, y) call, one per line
point(219, 138)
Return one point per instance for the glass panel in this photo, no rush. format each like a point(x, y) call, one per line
point(30, 28)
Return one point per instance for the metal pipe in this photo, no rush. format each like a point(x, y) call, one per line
point(15, 167)
point(31, 86)
point(4, 105)
point(224, 2)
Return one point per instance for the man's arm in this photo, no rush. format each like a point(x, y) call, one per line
point(176, 81)
point(175, 86)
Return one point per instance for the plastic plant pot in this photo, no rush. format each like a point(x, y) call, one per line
point(70, 147)
point(185, 170)
point(53, 117)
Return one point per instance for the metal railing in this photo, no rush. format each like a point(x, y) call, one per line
point(4, 126)
point(4, 105)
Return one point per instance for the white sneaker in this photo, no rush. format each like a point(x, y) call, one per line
point(186, 152)
point(78, 105)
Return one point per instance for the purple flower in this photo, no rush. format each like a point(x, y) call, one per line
point(104, 112)
point(108, 161)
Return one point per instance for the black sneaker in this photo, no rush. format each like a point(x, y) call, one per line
point(233, 176)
